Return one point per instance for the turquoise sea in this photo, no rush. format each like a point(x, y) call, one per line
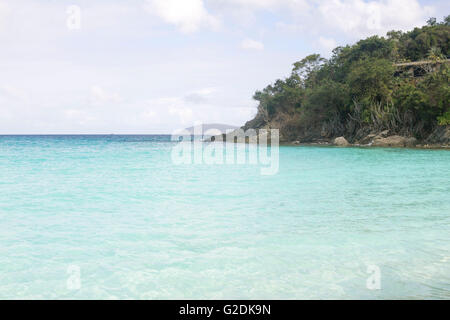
point(85, 217)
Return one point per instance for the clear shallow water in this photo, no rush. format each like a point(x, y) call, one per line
point(138, 226)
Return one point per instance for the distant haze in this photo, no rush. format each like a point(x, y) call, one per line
point(211, 126)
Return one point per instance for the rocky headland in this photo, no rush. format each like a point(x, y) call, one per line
point(391, 91)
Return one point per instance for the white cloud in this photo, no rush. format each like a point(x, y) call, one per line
point(99, 96)
point(244, 12)
point(4, 9)
point(185, 114)
point(150, 114)
point(175, 106)
point(327, 44)
point(250, 44)
point(362, 18)
point(252, 3)
point(351, 18)
point(264, 4)
point(199, 96)
point(151, 66)
point(187, 15)
point(288, 28)
point(182, 111)
point(12, 92)
point(246, 112)
point(81, 117)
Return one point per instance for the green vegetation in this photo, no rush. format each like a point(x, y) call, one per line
point(360, 89)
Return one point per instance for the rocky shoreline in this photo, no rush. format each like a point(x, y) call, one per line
point(439, 139)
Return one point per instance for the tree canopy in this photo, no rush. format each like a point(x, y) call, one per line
point(359, 83)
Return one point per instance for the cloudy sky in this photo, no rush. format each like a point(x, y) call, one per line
point(154, 66)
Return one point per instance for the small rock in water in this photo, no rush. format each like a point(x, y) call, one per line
point(341, 142)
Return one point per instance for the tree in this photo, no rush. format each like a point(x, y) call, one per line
point(435, 54)
point(393, 34)
point(431, 21)
point(327, 100)
point(371, 80)
point(446, 21)
point(305, 68)
point(358, 86)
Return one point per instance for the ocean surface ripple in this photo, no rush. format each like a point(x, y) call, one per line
point(137, 226)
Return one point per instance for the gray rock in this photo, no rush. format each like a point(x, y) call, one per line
point(367, 139)
point(394, 141)
point(383, 134)
point(341, 142)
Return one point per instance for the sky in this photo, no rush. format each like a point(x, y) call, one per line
point(157, 66)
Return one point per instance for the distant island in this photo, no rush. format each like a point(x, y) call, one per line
point(381, 91)
point(205, 127)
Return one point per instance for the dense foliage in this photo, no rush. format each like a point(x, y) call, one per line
point(359, 86)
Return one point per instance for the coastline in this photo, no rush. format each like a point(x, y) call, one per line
point(382, 139)
point(330, 144)
point(385, 140)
